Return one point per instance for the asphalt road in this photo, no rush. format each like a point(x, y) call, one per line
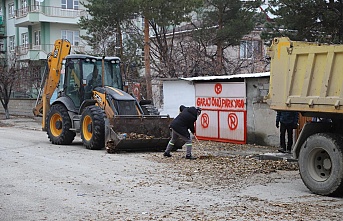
point(41, 181)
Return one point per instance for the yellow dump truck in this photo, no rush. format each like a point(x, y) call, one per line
point(308, 78)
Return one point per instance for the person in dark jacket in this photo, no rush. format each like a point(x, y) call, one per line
point(180, 126)
point(288, 121)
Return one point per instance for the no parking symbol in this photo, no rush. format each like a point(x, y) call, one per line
point(232, 120)
point(218, 88)
point(205, 120)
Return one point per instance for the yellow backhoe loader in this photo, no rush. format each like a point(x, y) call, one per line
point(93, 103)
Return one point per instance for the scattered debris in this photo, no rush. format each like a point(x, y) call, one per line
point(224, 163)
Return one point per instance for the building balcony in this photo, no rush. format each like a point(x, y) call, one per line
point(32, 15)
point(39, 52)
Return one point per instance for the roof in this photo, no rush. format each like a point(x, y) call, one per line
point(82, 56)
point(109, 58)
point(227, 77)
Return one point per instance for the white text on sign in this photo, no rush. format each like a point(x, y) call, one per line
point(220, 103)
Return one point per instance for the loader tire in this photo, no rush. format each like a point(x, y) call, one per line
point(93, 128)
point(321, 164)
point(58, 125)
point(149, 109)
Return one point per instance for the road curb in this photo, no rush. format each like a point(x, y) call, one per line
point(277, 156)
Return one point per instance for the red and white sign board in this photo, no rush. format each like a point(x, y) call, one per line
point(223, 116)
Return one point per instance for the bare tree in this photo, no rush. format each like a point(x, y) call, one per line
point(34, 71)
point(8, 77)
point(192, 56)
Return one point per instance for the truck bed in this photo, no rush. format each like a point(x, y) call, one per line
point(306, 77)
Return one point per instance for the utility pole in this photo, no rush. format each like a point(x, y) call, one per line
point(147, 59)
point(341, 21)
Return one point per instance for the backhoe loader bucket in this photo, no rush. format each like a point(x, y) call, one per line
point(139, 133)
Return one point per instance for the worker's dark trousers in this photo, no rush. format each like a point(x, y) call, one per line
point(175, 136)
point(283, 129)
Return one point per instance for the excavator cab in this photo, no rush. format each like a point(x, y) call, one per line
point(84, 73)
point(110, 66)
point(75, 86)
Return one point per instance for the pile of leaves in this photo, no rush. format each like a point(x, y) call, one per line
point(223, 163)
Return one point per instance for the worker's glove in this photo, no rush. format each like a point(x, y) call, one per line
point(191, 136)
point(277, 125)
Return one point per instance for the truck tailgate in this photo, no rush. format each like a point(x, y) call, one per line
point(306, 76)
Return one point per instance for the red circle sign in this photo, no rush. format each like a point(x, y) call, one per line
point(205, 120)
point(232, 120)
point(218, 88)
point(136, 91)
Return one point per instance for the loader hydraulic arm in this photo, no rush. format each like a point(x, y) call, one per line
point(51, 77)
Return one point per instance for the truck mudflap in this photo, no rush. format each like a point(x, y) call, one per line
point(139, 133)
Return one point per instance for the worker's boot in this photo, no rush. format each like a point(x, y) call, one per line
point(190, 157)
point(282, 149)
point(167, 154)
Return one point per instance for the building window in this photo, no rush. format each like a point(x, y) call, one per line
point(11, 43)
point(72, 36)
point(11, 13)
point(36, 5)
point(1, 16)
point(24, 40)
point(36, 35)
point(2, 47)
point(250, 49)
point(22, 9)
point(70, 4)
point(23, 4)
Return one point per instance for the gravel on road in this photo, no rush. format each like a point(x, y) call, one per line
point(226, 182)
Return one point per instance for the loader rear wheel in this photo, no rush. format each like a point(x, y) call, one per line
point(58, 125)
point(321, 164)
point(93, 128)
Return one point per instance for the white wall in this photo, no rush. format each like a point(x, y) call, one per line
point(55, 30)
point(260, 126)
point(55, 33)
point(175, 93)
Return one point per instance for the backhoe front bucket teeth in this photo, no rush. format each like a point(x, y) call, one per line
point(139, 133)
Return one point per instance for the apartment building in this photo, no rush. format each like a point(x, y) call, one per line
point(28, 31)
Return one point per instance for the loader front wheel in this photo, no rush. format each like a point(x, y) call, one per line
point(321, 164)
point(93, 128)
point(58, 125)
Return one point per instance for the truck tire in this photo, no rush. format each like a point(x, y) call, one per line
point(149, 109)
point(321, 164)
point(58, 125)
point(93, 128)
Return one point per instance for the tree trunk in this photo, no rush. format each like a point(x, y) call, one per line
point(147, 59)
point(121, 51)
point(4, 101)
point(219, 64)
point(7, 113)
